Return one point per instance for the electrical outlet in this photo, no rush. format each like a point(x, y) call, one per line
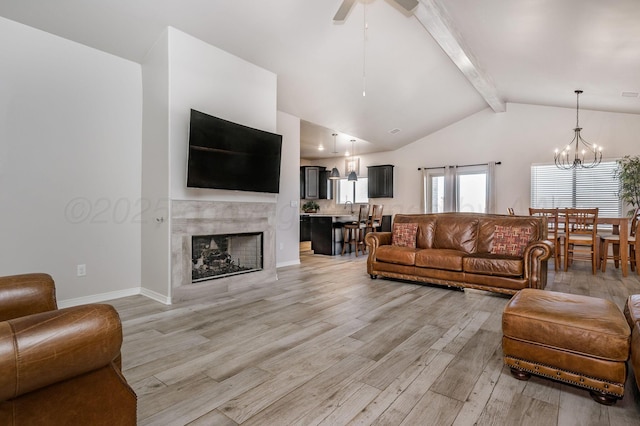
point(82, 270)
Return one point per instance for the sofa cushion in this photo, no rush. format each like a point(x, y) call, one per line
point(456, 232)
point(404, 234)
point(426, 232)
point(493, 264)
point(447, 259)
point(510, 240)
point(395, 254)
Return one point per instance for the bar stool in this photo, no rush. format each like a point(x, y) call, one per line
point(353, 233)
point(375, 222)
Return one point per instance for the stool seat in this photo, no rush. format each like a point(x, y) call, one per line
point(353, 233)
point(576, 339)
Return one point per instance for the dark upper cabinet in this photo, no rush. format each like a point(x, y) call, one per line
point(314, 183)
point(380, 181)
point(325, 185)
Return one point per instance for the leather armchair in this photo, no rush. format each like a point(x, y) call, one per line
point(59, 366)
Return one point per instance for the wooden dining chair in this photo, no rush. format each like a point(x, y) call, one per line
point(554, 236)
point(581, 241)
point(614, 241)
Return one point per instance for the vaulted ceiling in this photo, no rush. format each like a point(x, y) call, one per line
point(421, 71)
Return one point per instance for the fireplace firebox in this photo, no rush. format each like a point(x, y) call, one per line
point(217, 256)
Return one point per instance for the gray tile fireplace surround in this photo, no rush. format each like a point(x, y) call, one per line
point(190, 218)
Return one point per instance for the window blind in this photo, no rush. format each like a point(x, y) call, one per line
point(597, 187)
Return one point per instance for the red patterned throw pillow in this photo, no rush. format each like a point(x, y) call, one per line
point(510, 240)
point(404, 234)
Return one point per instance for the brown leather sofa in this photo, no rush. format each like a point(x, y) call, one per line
point(632, 314)
point(59, 366)
point(491, 252)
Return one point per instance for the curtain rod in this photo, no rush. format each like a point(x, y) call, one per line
point(466, 165)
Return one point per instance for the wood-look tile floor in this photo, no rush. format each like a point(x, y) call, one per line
point(325, 344)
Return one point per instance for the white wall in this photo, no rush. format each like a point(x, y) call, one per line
point(155, 247)
point(217, 83)
point(288, 208)
point(69, 163)
point(523, 135)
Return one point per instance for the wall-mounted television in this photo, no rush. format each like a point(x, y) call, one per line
point(227, 155)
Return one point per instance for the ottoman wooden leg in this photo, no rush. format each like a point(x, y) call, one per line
point(520, 374)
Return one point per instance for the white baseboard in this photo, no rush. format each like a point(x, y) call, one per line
point(105, 297)
point(155, 296)
point(289, 263)
point(98, 298)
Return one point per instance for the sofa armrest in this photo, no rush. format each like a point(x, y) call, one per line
point(376, 239)
point(50, 347)
point(373, 240)
point(26, 294)
point(536, 255)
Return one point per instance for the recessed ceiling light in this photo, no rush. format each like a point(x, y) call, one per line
point(629, 94)
point(394, 131)
point(320, 148)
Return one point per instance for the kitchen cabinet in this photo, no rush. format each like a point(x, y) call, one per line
point(380, 182)
point(323, 235)
point(313, 182)
point(326, 185)
point(305, 228)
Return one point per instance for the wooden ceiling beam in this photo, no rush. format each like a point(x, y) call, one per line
point(437, 22)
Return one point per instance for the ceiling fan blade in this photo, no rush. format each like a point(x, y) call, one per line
point(344, 10)
point(407, 5)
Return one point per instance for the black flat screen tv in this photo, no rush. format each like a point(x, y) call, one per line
point(227, 155)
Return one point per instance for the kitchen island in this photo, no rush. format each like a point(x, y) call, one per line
point(324, 231)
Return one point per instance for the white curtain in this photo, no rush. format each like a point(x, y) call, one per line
point(423, 194)
point(451, 189)
point(491, 188)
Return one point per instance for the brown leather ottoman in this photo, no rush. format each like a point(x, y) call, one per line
point(632, 312)
point(580, 340)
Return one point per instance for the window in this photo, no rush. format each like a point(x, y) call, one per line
point(353, 191)
point(462, 189)
point(472, 192)
point(597, 187)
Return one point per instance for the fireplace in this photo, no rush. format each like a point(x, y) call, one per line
point(241, 221)
point(223, 255)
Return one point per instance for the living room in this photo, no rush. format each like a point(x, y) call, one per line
point(94, 154)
